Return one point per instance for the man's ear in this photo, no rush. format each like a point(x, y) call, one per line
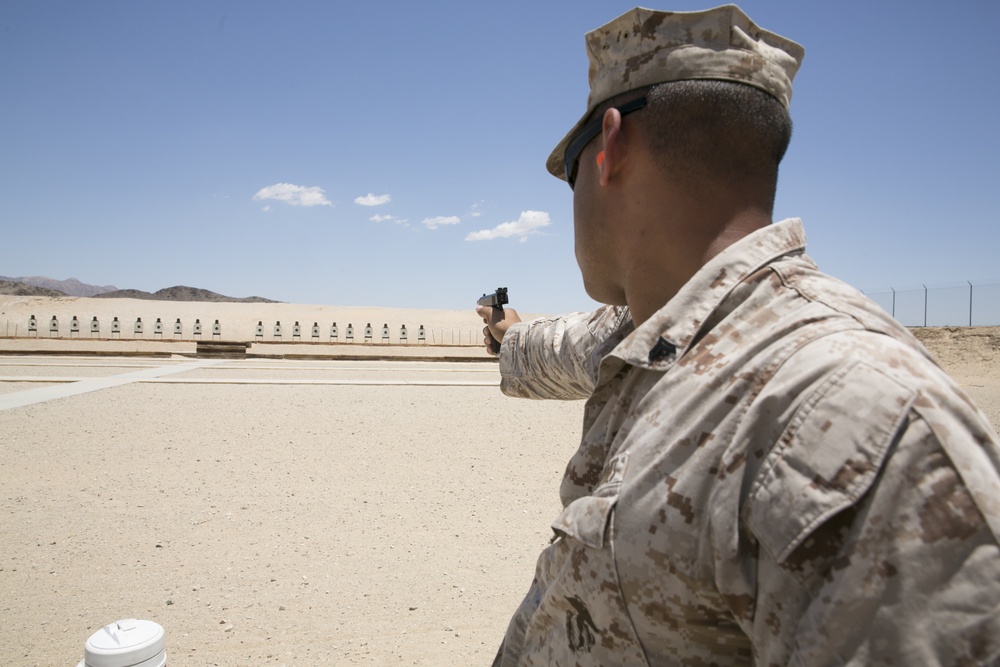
point(612, 156)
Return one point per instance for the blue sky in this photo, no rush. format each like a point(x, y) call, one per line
point(392, 153)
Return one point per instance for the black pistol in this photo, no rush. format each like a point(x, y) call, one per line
point(495, 300)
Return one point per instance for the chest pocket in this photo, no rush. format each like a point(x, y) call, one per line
point(828, 456)
point(586, 519)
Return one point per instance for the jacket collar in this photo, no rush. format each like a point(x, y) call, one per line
point(667, 335)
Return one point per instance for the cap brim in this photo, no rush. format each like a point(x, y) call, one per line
point(556, 164)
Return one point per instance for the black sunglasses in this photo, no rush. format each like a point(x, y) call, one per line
point(588, 132)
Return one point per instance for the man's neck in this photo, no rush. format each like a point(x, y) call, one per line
point(667, 252)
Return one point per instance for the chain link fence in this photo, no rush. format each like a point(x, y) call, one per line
point(966, 304)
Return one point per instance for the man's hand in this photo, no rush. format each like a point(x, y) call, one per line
point(497, 322)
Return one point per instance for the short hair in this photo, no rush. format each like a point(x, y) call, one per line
point(714, 132)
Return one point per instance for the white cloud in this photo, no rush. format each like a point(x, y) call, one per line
point(373, 200)
point(266, 208)
point(389, 218)
point(475, 212)
point(296, 195)
point(434, 223)
point(529, 223)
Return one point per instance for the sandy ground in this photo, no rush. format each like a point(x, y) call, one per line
point(971, 355)
point(285, 511)
point(275, 523)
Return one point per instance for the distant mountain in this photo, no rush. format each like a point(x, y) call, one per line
point(181, 293)
point(18, 288)
point(41, 286)
point(69, 287)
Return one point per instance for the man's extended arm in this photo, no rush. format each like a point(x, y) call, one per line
point(557, 357)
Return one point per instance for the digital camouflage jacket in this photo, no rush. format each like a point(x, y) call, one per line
point(772, 471)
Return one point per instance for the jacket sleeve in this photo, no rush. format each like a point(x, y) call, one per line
point(557, 357)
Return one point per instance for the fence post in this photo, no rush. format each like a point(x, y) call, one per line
point(970, 301)
point(925, 305)
point(893, 301)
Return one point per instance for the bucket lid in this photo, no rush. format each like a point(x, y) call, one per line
point(125, 643)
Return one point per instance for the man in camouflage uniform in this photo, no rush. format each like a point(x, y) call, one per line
point(772, 471)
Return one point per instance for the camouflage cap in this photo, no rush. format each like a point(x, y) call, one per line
point(643, 47)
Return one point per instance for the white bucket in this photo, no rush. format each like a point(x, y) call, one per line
point(126, 643)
